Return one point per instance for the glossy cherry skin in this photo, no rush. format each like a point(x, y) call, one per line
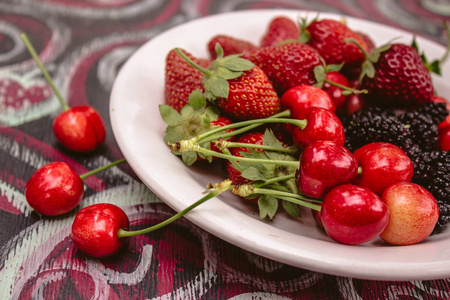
point(335, 92)
point(323, 166)
point(95, 229)
point(322, 124)
point(300, 97)
point(54, 189)
point(444, 139)
point(382, 164)
point(79, 128)
point(353, 214)
point(414, 213)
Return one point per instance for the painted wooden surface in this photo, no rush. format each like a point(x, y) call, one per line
point(84, 43)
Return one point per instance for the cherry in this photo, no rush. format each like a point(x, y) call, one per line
point(339, 98)
point(414, 213)
point(95, 229)
point(100, 230)
point(354, 103)
point(353, 214)
point(321, 124)
point(323, 166)
point(382, 164)
point(54, 189)
point(444, 139)
point(80, 128)
point(299, 97)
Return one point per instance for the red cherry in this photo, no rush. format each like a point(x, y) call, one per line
point(322, 124)
point(80, 128)
point(318, 161)
point(354, 104)
point(353, 214)
point(300, 97)
point(54, 189)
point(95, 229)
point(382, 164)
point(335, 93)
point(444, 139)
point(414, 213)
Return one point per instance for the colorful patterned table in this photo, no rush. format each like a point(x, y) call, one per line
point(84, 44)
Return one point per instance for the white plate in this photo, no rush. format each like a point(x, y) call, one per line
point(139, 131)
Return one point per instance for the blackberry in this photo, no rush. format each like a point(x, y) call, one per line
point(373, 124)
point(436, 111)
point(432, 171)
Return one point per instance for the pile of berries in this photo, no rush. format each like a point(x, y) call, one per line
point(313, 117)
point(316, 116)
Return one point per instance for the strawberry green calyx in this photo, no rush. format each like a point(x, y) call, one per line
point(367, 68)
point(222, 69)
point(192, 120)
point(435, 65)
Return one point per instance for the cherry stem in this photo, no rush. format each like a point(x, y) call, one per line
point(352, 40)
point(219, 132)
point(223, 144)
point(217, 190)
point(95, 171)
point(35, 56)
point(197, 148)
point(345, 88)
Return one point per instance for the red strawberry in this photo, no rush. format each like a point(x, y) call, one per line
point(279, 30)
point(328, 38)
point(288, 65)
point(251, 96)
point(181, 79)
point(399, 78)
point(240, 89)
point(235, 175)
point(230, 45)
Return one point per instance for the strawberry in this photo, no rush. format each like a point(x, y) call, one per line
point(230, 45)
point(395, 75)
point(288, 65)
point(328, 37)
point(251, 96)
point(181, 79)
point(280, 29)
point(239, 88)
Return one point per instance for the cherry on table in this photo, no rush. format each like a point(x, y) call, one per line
point(79, 128)
point(54, 189)
point(95, 229)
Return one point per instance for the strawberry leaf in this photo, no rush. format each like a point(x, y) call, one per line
point(268, 206)
point(169, 115)
point(291, 208)
point(189, 157)
point(197, 100)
